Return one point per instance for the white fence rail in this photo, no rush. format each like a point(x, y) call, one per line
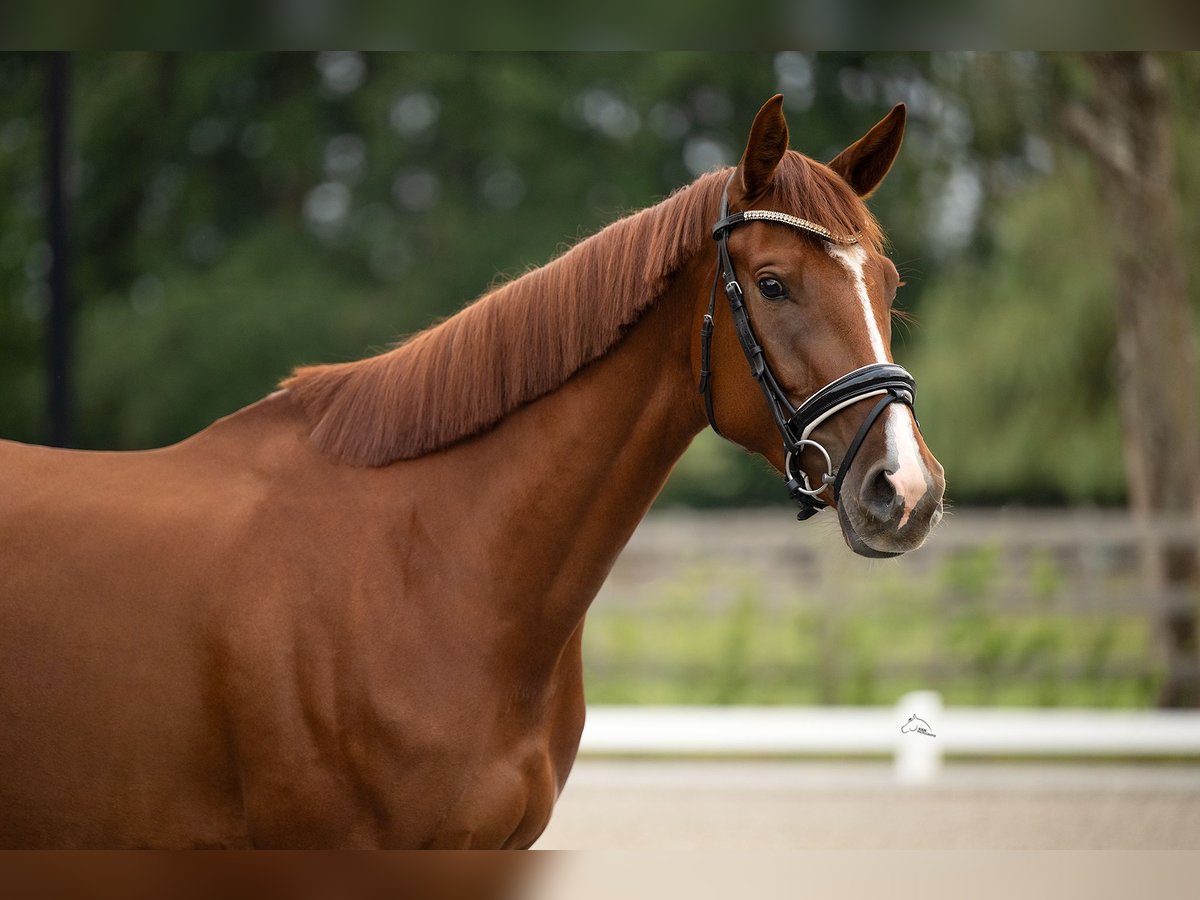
point(918, 755)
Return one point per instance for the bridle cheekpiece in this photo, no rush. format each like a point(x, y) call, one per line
point(888, 381)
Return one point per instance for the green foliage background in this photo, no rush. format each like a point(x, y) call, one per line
point(238, 214)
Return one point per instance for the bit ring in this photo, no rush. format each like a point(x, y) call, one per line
point(827, 479)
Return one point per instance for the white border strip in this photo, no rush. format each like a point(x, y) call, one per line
point(771, 731)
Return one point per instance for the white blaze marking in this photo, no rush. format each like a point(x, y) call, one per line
point(854, 257)
point(900, 433)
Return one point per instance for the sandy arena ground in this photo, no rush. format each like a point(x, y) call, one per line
point(653, 805)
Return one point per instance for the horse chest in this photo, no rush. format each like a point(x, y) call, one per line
point(520, 760)
point(505, 745)
point(506, 803)
point(458, 757)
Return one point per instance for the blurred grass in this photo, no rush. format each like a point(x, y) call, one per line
point(710, 636)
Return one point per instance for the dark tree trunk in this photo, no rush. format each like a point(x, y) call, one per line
point(58, 320)
point(1126, 127)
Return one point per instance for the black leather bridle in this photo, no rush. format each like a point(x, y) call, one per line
point(890, 382)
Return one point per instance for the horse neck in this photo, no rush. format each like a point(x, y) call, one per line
point(563, 482)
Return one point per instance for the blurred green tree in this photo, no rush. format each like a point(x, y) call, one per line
point(239, 214)
point(1127, 128)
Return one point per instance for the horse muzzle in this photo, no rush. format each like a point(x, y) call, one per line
point(887, 513)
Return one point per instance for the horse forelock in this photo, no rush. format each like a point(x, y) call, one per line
point(812, 191)
point(524, 338)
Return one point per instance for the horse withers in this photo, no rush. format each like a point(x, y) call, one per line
point(350, 614)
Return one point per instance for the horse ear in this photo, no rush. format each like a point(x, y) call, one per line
point(766, 146)
point(864, 163)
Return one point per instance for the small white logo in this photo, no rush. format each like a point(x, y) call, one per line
point(915, 725)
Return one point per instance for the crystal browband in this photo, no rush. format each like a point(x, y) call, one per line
point(770, 215)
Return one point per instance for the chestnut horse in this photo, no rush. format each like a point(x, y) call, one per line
point(350, 614)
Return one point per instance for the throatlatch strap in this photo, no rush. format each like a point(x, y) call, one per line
point(706, 331)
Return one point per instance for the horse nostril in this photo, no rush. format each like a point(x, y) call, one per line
point(878, 494)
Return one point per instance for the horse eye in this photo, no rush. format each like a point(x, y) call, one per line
point(771, 289)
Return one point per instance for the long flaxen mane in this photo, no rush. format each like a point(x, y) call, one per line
point(525, 338)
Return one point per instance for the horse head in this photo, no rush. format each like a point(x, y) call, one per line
point(818, 298)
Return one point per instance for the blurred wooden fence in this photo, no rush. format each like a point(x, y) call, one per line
point(1058, 596)
point(1095, 552)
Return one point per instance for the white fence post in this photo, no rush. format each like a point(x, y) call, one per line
point(918, 746)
